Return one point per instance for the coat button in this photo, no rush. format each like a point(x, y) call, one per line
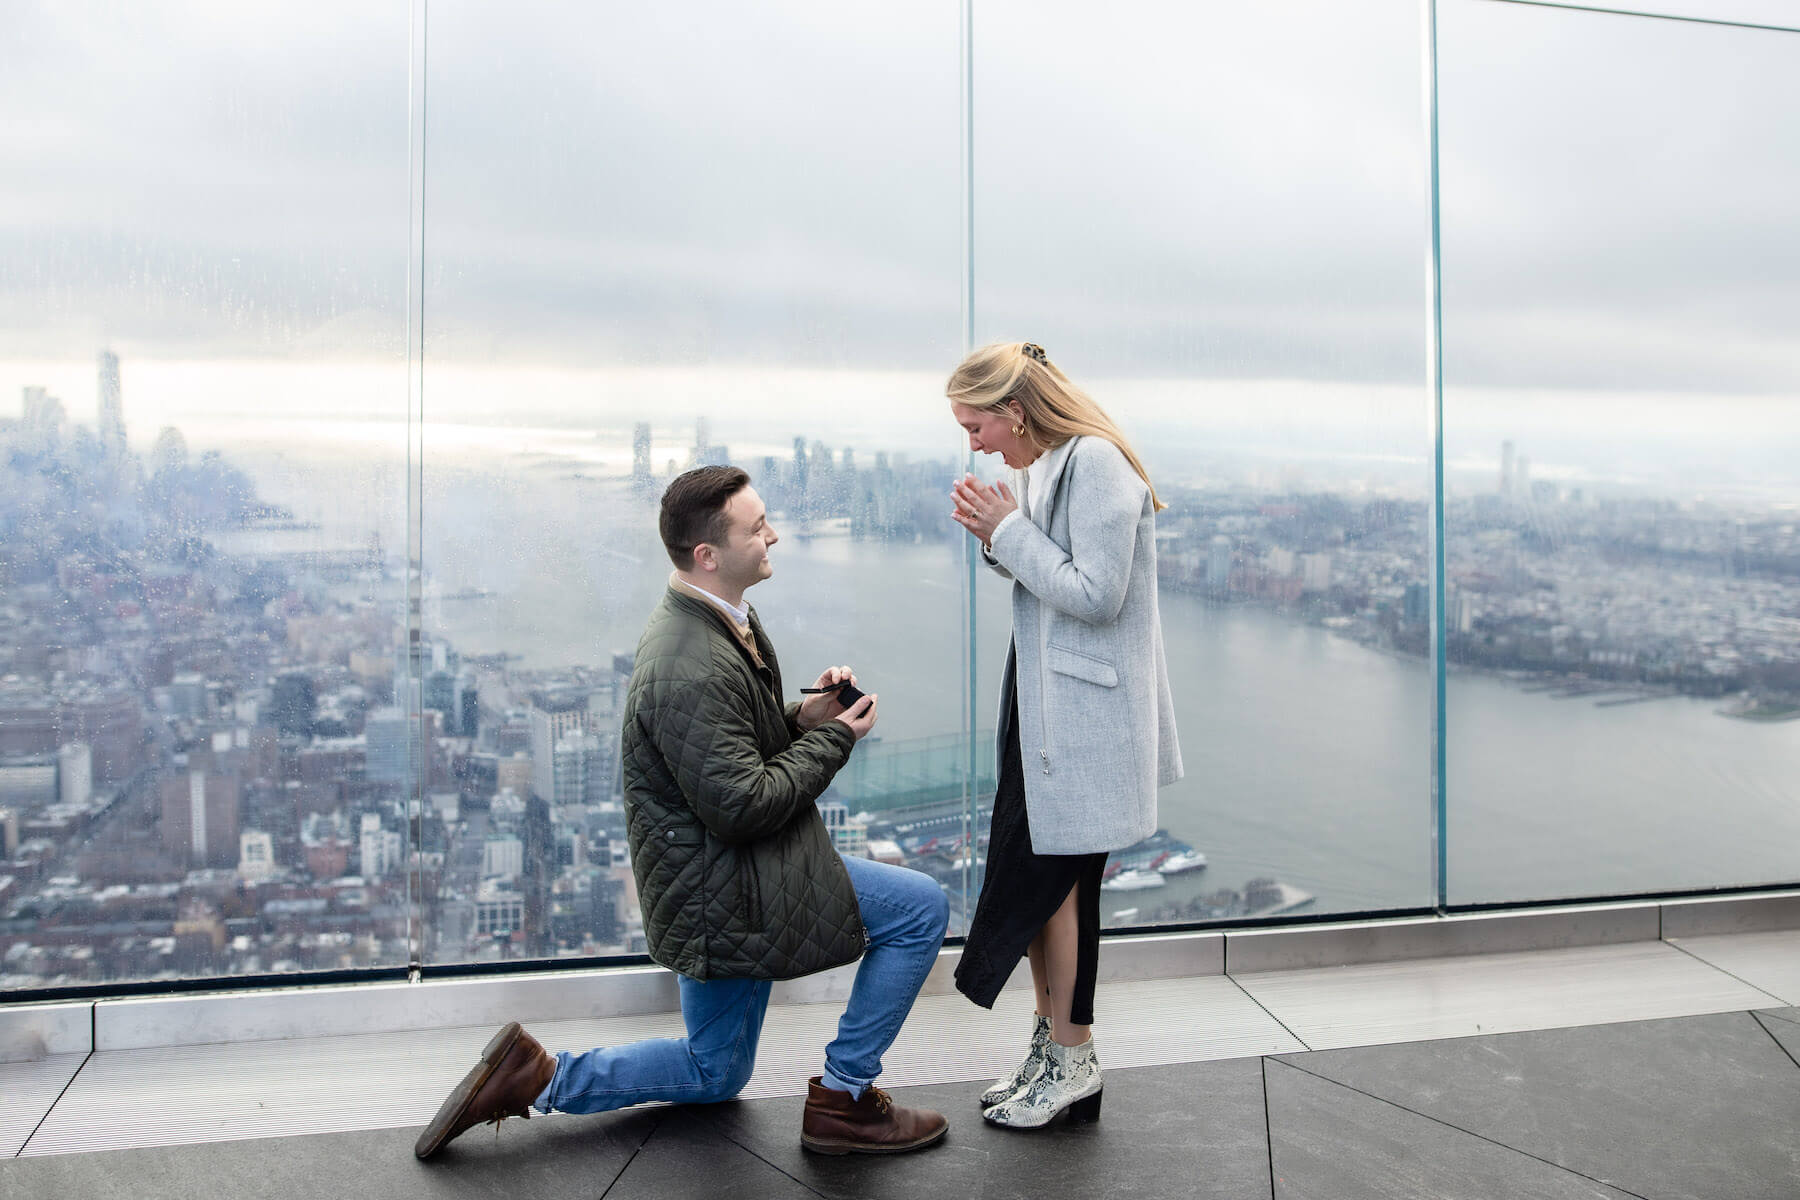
point(671, 835)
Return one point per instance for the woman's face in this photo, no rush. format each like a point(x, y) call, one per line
point(991, 432)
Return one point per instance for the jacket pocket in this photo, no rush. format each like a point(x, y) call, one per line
point(681, 835)
point(1065, 661)
point(750, 898)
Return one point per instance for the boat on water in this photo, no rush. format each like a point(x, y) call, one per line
point(1134, 880)
point(1259, 898)
point(1180, 861)
point(1146, 854)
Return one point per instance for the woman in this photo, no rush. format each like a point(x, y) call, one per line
point(1087, 727)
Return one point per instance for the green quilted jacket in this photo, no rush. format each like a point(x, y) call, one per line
point(736, 873)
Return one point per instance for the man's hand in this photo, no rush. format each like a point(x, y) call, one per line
point(860, 717)
point(819, 708)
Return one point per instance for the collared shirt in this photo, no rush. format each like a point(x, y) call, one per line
point(739, 615)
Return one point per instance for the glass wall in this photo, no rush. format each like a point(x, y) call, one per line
point(1621, 440)
point(202, 505)
point(631, 240)
point(1227, 254)
point(661, 237)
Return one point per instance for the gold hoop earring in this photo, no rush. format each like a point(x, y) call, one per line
point(1018, 431)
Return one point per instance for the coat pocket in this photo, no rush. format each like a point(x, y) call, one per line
point(749, 895)
point(1065, 661)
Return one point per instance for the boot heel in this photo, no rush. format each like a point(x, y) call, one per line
point(1086, 1109)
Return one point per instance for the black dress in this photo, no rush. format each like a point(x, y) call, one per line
point(1023, 889)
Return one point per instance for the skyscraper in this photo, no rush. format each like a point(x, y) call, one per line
point(1316, 571)
point(1218, 565)
point(640, 455)
point(200, 817)
point(582, 770)
point(390, 746)
point(112, 407)
point(554, 716)
point(293, 703)
point(31, 407)
point(467, 722)
point(74, 772)
point(802, 477)
point(110, 720)
point(382, 848)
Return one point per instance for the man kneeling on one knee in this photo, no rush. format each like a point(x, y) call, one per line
point(737, 877)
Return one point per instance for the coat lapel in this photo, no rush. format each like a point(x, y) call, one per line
point(1059, 458)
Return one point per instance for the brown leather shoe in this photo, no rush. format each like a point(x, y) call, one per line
point(872, 1124)
point(513, 1071)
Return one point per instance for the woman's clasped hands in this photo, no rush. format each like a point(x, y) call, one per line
point(979, 507)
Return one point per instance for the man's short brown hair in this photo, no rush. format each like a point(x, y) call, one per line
point(693, 510)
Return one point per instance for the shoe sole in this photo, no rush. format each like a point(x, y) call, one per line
point(1077, 1112)
point(451, 1111)
point(816, 1146)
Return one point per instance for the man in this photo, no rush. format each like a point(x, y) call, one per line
point(736, 874)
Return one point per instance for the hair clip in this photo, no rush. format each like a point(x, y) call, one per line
point(1035, 351)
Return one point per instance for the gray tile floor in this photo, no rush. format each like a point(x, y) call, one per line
point(1655, 1071)
point(1704, 1107)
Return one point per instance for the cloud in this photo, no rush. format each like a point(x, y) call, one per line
point(1205, 191)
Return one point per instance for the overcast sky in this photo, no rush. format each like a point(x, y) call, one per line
point(1217, 191)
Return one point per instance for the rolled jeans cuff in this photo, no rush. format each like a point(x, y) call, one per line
point(836, 1082)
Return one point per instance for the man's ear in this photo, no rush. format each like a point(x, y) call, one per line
point(705, 557)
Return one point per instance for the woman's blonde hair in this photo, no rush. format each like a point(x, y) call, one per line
point(1054, 409)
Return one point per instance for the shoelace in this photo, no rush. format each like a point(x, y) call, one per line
point(882, 1101)
point(501, 1116)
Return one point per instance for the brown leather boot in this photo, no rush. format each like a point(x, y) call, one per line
point(513, 1071)
point(872, 1124)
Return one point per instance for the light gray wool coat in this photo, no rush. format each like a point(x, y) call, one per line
point(1096, 720)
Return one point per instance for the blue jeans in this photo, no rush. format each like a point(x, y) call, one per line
point(905, 913)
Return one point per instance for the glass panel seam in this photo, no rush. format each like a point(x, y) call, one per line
point(1650, 16)
point(415, 517)
point(969, 705)
point(1434, 382)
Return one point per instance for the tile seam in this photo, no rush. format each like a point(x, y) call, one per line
point(1779, 1044)
point(1268, 1128)
point(1459, 1129)
point(69, 1083)
point(1780, 1002)
point(639, 1149)
point(1265, 1008)
point(754, 1153)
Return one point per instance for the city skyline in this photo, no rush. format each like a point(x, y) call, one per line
point(216, 752)
point(1664, 443)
